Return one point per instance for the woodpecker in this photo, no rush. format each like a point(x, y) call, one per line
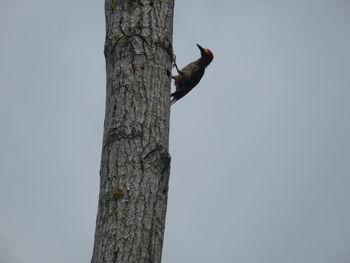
point(190, 75)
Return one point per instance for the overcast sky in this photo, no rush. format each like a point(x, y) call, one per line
point(260, 148)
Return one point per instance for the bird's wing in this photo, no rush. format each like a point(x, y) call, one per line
point(193, 73)
point(196, 76)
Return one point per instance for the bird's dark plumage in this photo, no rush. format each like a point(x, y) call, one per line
point(190, 75)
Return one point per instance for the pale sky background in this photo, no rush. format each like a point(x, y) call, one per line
point(260, 148)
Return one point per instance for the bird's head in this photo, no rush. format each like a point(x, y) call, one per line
point(206, 55)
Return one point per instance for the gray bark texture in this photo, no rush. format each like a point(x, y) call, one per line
point(135, 161)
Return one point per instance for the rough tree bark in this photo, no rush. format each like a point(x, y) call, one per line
point(135, 160)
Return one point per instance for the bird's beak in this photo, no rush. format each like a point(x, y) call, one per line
point(200, 48)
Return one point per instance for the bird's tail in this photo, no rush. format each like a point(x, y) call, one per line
point(173, 99)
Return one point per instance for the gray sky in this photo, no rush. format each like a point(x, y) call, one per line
point(260, 148)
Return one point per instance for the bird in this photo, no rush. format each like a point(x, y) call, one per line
point(189, 76)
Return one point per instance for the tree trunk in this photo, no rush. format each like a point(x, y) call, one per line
point(135, 161)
